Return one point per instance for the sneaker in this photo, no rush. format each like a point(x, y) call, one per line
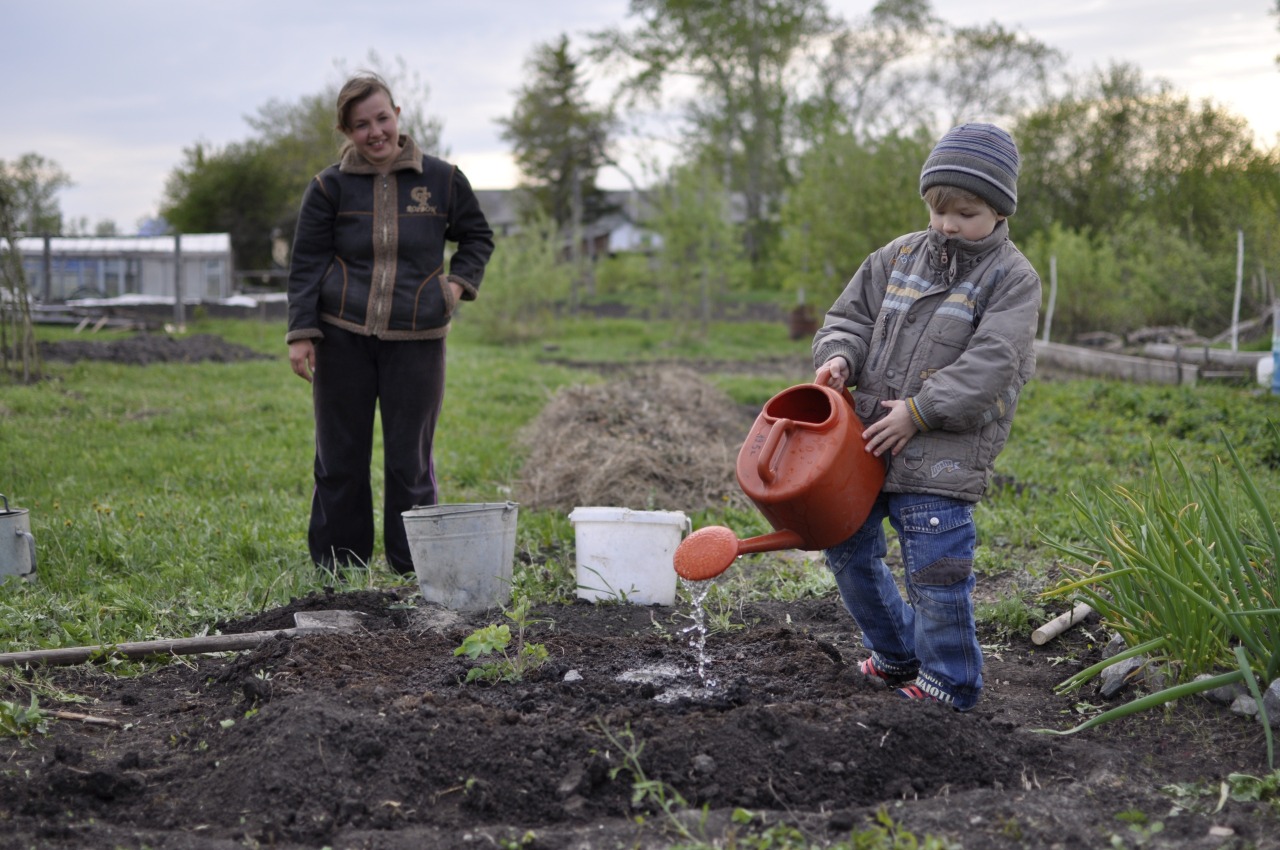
point(914, 692)
point(869, 669)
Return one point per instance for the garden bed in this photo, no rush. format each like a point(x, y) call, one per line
point(372, 739)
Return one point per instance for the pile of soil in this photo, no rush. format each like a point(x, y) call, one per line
point(373, 739)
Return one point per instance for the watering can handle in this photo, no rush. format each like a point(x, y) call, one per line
point(764, 464)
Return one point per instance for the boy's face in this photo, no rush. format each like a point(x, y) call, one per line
point(970, 220)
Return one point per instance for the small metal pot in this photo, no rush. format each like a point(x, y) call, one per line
point(17, 544)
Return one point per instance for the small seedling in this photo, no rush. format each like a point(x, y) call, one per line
point(516, 662)
point(19, 721)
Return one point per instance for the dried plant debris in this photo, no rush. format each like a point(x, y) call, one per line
point(652, 439)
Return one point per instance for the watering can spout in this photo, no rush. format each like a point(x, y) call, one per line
point(710, 551)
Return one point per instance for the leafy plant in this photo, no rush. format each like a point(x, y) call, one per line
point(1186, 575)
point(516, 662)
point(19, 721)
point(1237, 787)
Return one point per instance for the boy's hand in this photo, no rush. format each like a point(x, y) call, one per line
point(838, 368)
point(893, 431)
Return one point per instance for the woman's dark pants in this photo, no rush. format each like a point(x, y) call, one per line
point(404, 380)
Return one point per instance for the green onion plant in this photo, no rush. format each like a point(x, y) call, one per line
point(1185, 569)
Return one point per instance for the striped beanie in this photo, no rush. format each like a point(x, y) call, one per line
point(979, 158)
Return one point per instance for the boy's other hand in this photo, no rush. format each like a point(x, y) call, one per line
point(893, 432)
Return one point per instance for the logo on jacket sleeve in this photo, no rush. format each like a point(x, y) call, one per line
point(422, 195)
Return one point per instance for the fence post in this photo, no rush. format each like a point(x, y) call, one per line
point(1275, 347)
point(1053, 296)
point(179, 312)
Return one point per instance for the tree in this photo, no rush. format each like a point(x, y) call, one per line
point(1160, 185)
point(19, 356)
point(1126, 145)
point(850, 198)
point(253, 189)
point(740, 54)
point(559, 141)
point(33, 183)
point(304, 135)
point(988, 71)
point(701, 255)
point(239, 190)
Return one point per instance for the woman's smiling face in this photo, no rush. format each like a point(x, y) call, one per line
point(375, 128)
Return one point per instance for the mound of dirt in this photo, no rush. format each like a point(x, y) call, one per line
point(374, 740)
point(144, 349)
point(655, 439)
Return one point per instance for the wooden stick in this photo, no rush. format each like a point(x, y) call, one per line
point(143, 649)
point(1060, 624)
point(81, 718)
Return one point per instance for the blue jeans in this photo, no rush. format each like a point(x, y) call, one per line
point(931, 633)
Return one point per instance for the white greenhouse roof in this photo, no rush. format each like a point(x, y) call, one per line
point(195, 243)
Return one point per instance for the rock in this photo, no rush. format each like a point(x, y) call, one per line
point(1114, 646)
point(1226, 694)
point(1246, 706)
point(1271, 702)
point(1116, 677)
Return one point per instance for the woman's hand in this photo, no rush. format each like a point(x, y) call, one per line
point(302, 357)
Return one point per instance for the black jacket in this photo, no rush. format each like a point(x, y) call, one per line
point(369, 251)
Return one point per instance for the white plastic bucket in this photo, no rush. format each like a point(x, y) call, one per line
point(462, 554)
point(627, 555)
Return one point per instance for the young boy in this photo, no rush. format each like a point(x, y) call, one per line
point(935, 334)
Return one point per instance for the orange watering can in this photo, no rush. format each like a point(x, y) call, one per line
point(806, 468)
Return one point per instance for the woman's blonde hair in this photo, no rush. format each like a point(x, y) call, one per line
point(357, 89)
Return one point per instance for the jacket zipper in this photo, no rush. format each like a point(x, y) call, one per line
point(380, 304)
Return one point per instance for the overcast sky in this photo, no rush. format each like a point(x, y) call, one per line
point(114, 91)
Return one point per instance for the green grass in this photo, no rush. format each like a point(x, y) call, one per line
point(166, 498)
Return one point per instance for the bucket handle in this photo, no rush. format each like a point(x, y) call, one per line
point(31, 542)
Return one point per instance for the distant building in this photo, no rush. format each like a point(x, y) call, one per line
point(620, 231)
point(68, 268)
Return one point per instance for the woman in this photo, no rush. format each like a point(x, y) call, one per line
point(370, 305)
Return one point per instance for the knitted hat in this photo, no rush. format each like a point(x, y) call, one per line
point(979, 158)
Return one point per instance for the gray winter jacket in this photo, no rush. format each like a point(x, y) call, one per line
point(949, 326)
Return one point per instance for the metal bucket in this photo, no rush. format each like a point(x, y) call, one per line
point(462, 554)
point(17, 544)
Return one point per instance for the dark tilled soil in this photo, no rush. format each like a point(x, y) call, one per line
point(147, 348)
point(371, 739)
